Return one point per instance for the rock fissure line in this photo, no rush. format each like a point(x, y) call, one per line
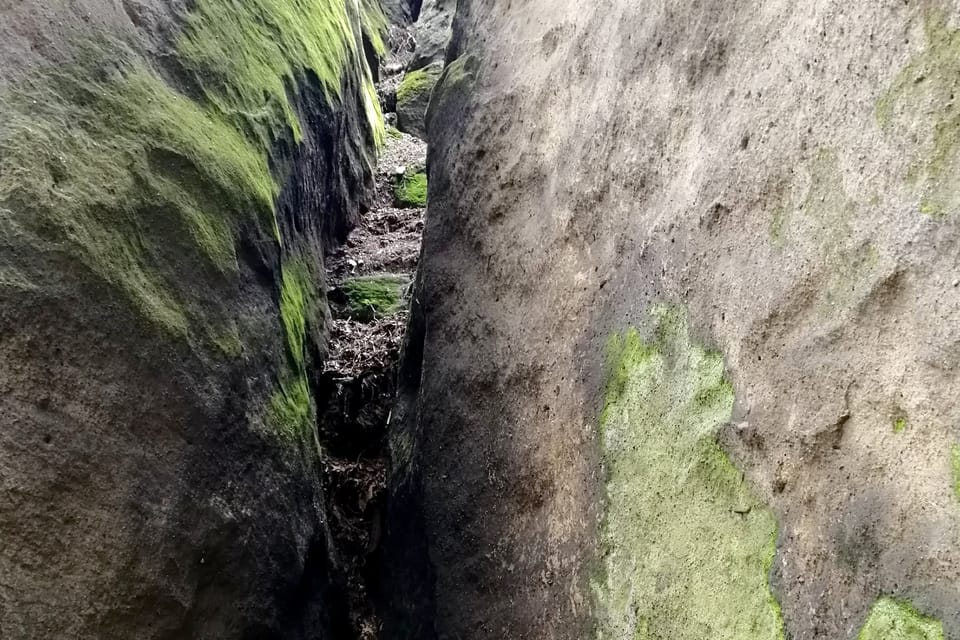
point(369, 285)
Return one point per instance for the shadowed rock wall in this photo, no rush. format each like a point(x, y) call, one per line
point(170, 174)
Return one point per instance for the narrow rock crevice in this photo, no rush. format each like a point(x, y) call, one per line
point(369, 283)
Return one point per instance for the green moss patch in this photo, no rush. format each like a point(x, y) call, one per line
point(369, 297)
point(297, 306)
point(686, 548)
point(249, 55)
point(116, 168)
point(893, 620)
point(900, 424)
point(103, 160)
point(416, 83)
point(921, 102)
point(111, 164)
point(460, 73)
point(374, 24)
point(411, 190)
point(291, 412)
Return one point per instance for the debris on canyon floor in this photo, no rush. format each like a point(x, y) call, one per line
point(369, 286)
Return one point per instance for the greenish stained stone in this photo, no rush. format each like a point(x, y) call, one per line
point(460, 73)
point(827, 217)
point(686, 548)
point(922, 96)
point(893, 620)
point(413, 98)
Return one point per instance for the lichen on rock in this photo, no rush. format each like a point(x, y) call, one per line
point(686, 548)
point(894, 620)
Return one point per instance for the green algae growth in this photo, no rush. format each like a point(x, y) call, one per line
point(105, 161)
point(890, 619)
point(249, 55)
point(113, 164)
point(291, 412)
point(116, 167)
point(686, 548)
point(417, 82)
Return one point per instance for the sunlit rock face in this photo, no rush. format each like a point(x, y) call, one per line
point(779, 179)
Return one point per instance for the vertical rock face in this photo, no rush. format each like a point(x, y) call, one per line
point(683, 358)
point(432, 32)
point(170, 174)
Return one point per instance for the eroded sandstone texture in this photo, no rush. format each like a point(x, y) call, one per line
point(683, 359)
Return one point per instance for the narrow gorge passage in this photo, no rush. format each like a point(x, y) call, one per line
point(673, 354)
point(370, 280)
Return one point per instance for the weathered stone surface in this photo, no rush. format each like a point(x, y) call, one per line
point(432, 32)
point(784, 176)
point(169, 177)
point(413, 98)
point(401, 12)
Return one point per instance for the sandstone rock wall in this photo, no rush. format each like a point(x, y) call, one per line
point(170, 174)
point(684, 355)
